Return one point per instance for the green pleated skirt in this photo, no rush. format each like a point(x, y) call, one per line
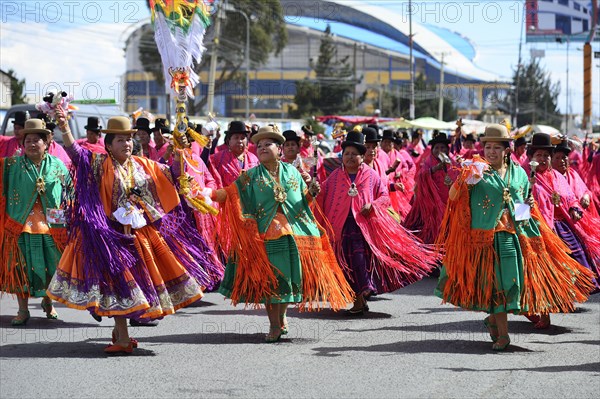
point(283, 254)
point(508, 279)
point(41, 259)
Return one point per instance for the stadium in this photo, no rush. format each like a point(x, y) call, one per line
point(376, 41)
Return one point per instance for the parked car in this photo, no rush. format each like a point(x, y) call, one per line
point(77, 121)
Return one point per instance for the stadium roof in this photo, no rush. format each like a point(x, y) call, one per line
point(383, 27)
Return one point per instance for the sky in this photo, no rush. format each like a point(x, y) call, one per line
point(78, 45)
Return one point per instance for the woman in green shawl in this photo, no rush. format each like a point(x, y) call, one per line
point(500, 255)
point(32, 232)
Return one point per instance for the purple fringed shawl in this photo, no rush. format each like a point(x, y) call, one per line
point(106, 253)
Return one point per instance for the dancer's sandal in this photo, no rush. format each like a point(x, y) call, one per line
point(491, 328)
point(116, 349)
point(284, 325)
point(543, 323)
point(500, 347)
point(273, 336)
point(133, 341)
point(49, 309)
point(21, 319)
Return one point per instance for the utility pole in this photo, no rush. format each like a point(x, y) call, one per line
point(587, 71)
point(213, 61)
point(516, 117)
point(412, 72)
point(441, 103)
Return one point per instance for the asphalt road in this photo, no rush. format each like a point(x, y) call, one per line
point(408, 345)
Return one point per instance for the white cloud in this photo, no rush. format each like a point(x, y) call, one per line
point(88, 59)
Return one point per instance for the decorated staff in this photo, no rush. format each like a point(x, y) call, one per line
point(179, 31)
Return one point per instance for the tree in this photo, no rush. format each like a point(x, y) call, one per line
point(538, 96)
point(427, 101)
point(331, 90)
point(268, 35)
point(16, 88)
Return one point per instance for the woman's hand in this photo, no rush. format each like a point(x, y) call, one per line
point(314, 188)
point(61, 118)
point(305, 175)
point(399, 187)
point(585, 201)
point(575, 214)
point(530, 201)
point(366, 210)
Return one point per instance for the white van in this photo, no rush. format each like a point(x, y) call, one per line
point(77, 121)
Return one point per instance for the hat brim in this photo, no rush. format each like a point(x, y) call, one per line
point(229, 132)
point(268, 135)
point(540, 147)
point(112, 131)
point(96, 129)
point(566, 150)
point(38, 131)
point(360, 147)
point(373, 141)
point(434, 142)
point(483, 139)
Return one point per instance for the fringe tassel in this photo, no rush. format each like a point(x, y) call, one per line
point(255, 278)
point(470, 268)
point(13, 277)
point(401, 258)
point(322, 277)
point(553, 281)
point(60, 235)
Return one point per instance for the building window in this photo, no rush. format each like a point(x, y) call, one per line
point(576, 6)
point(563, 2)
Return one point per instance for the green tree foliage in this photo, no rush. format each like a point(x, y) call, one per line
point(538, 96)
point(16, 88)
point(331, 90)
point(268, 35)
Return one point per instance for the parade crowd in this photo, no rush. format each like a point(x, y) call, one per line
point(506, 224)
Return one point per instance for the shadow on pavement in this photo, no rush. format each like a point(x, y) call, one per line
point(589, 367)
point(200, 304)
point(224, 338)
point(422, 346)
point(328, 314)
point(42, 323)
point(441, 309)
point(469, 326)
point(51, 350)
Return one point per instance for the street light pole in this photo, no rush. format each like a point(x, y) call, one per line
point(412, 73)
point(441, 103)
point(247, 55)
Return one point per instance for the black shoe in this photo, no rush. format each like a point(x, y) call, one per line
point(143, 323)
point(96, 317)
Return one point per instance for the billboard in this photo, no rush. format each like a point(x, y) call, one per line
point(547, 20)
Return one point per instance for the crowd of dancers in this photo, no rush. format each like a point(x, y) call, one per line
point(101, 225)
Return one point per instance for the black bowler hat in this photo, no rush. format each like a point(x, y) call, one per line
point(20, 118)
point(439, 138)
point(308, 130)
point(520, 141)
point(291, 135)
point(92, 124)
point(49, 124)
point(388, 135)
point(540, 141)
point(563, 146)
point(357, 140)
point(371, 135)
point(236, 127)
point(470, 137)
point(143, 124)
point(161, 124)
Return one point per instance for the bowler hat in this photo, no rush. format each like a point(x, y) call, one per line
point(520, 141)
point(35, 126)
point(357, 140)
point(20, 118)
point(268, 132)
point(237, 127)
point(291, 135)
point(540, 141)
point(563, 146)
point(371, 135)
point(119, 125)
point(495, 132)
point(470, 137)
point(143, 124)
point(308, 130)
point(160, 124)
point(92, 124)
point(439, 138)
point(388, 135)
